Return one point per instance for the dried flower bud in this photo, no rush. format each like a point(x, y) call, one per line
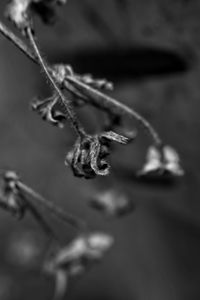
point(11, 198)
point(112, 203)
point(46, 109)
point(87, 159)
point(162, 162)
point(20, 11)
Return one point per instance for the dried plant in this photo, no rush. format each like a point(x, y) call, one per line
point(88, 158)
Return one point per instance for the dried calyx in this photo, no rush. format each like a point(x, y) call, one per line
point(87, 158)
point(20, 11)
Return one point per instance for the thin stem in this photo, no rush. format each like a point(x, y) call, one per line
point(70, 113)
point(113, 106)
point(18, 42)
point(54, 209)
point(7, 33)
point(94, 97)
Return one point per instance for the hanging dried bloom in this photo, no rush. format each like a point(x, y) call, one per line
point(87, 159)
point(11, 198)
point(112, 203)
point(20, 11)
point(75, 258)
point(46, 109)
point(162, 162)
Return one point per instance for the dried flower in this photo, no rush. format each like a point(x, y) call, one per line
point(75, 258)
point(112, 203)
point(19, 11)
point(11, 197)
point(162, 162)
point(61, 71)
point(87, 159)
point(46, 109)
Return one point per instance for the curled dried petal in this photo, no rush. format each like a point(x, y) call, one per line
point(46, 109)
point(88, 156)
point(115, 137)
point(99, 166)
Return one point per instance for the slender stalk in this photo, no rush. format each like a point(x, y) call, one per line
point(91, 95)
point(111, 105)
point(70, 113)
point(54, 209)
point(18, 42)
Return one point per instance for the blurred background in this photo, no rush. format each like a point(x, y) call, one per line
point(151, 51)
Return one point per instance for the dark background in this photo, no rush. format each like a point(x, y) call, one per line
point(151, 50)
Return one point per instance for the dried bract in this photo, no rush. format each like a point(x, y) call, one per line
point(87, 159)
